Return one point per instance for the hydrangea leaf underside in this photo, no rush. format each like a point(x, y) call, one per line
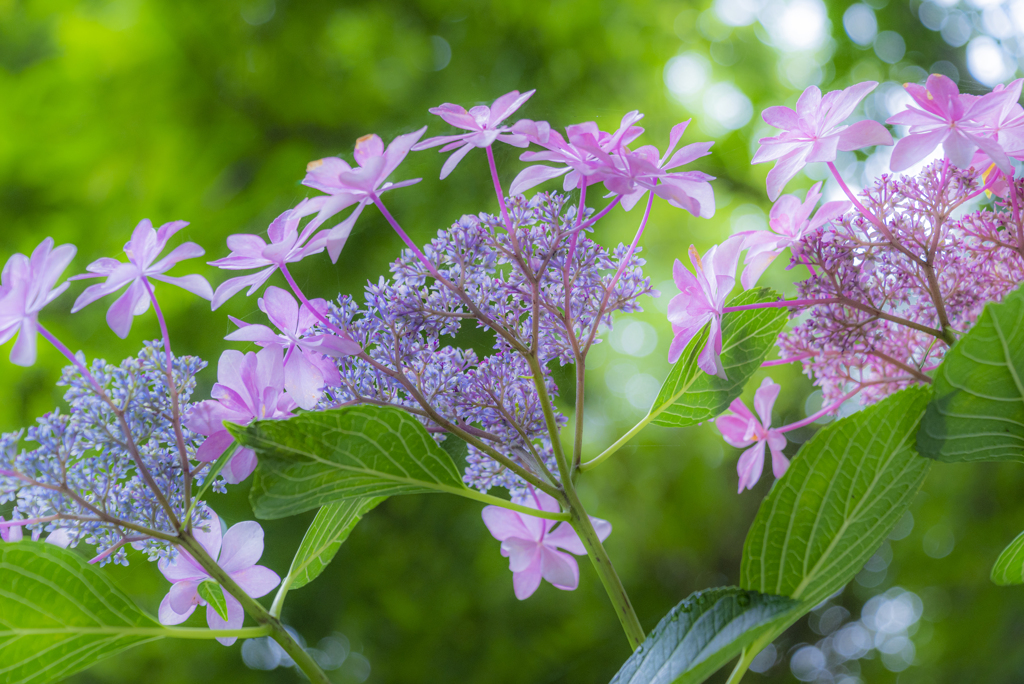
point(61, 615)
point(325, 535)
point(689, 395)
point(978, 410)
point(701, 634)
point(315, 459)
point(843, 493)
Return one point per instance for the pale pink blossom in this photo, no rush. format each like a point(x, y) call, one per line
point(789, 220)
point(583, 154)
point(249, 387)
point(742, 429)
point(961, 123)
point(308, 364)
point(483, 124)
point(27, 284)
point(815, 132)
point(236, 553)
point(142, 250)
point(536, 547)
point(287, 246)
point(360, 185)
point(701, 301)
point(632, 174)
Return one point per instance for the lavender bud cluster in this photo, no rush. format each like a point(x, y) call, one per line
point(78, 470)
point(544, 288)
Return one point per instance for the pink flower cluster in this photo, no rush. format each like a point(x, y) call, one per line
point(896, 273)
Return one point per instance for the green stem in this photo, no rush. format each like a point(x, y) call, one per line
point(746, 658)
point(621, 441)
point(606, 572)
point(495, 501)
point(254, 608)
point(584, 528)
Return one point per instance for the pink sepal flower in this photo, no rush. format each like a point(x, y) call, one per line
point(584, 156)
point(346, 185)
point(287, 246)
point(701, 300)
point(536, 548)
point(307, 366)
point(27, 284)
point(249, 387)
point(14, 533)
point(236, 553)
point(632, 174)
point(961, 123)
point(483, 124)
point(789, 220)
point(741, 430)
point(142, 250)
point(815, 132)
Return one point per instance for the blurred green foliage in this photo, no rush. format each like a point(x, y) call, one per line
point(116, 110)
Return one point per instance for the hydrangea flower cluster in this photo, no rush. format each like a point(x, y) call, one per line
point(86, 470)
point(484, 275)
point(896, 273)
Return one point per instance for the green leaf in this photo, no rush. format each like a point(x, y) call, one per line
point(319, 458)
point(325, 535)
point(843, 493)
point(978, 410)
point(59, 615)
point(1009, 567)
point(689, 395)
point(700, 635)
point(211, 592)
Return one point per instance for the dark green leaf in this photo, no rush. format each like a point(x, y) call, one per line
point(844, 491)
point(700, 635)
point(319, 458)
point(59, 615)
point(689, 395)
point(1009, 567)
point(211, 592)
point(325, 535)
point(978, 410)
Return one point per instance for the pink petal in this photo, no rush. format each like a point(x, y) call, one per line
point(214, 445)
point(303, 381)
point(784, 170)
point(522, 554)
point(196, 284)
point(257, 580)
point(184, 596)
point(367, 147)
point(750, 465)
point(229, 288)
point(504, 524)
point(764, 400)
point(755, 267)
point(453, 160)
point(734, 428)
point(864, 133)
point(709, 360)
point(24, 351)
point(168, 616)
point(913, 148)
point(780, 117)
point(122, 312)
point(533, 176)
point(281, 308)
point(236, 618)
point(560, 569)
point(526, 582)
point(242, 546)
point(240, 466)
point(848, 99)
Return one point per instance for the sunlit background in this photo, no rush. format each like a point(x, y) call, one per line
point(111, 111)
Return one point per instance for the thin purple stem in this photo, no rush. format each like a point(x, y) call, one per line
point(789, 359)
point(405, 238)
point(305, 302)
point(4, 524)
point(782, 303)
point(803, 259)
point(823, 412)
point(636, 241)
point(71, 357)
point(179, 436)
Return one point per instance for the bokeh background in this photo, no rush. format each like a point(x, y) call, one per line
point(116, 110)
